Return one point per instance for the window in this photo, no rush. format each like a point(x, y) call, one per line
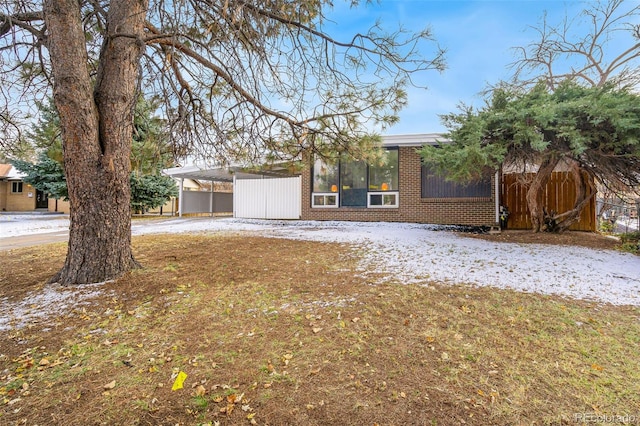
point(353, 183)
point(325, 200)
point(325, 177)
point(325, 185)
point(356, 184)
point(384, 176)
point(434, 186)
point(16, 187)
point(383, 199)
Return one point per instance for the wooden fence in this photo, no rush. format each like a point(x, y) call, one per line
point(560, 195)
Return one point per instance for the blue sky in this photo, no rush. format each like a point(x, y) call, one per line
point(478, 35)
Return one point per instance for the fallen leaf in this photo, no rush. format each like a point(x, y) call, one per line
point(230, 408)
point(200, 390)
point(110, 385)
point(316, 330)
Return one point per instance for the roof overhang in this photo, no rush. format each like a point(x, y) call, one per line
point(197, 173)
point(225, 174)
point(417, 140)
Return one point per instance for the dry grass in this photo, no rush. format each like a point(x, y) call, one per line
point(272, 331)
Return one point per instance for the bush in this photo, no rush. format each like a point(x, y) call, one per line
point(630, 242)
point(606, 226)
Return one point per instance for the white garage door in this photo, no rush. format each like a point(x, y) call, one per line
point(278, 198)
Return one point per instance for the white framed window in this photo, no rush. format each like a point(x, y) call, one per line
point(386, 199)
point(326, 200)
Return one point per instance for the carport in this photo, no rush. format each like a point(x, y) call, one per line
point(200, 201)
point(275, 193)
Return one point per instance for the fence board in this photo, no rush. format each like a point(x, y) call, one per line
point(559, 196)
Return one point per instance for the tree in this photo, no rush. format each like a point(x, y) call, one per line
point(150, 153)
point(151, 150)
point(46, 175)
point(237, 80)
point(45, 135)
point(599, 46)
point(151, 191)
point(594, 131)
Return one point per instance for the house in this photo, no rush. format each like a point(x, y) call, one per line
point(16, 195)
point(19, 196)
point(399, 190)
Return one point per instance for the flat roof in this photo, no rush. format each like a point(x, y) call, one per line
point(226, 174)
point(417, 140)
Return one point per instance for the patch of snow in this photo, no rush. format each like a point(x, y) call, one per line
point(23, 224)
point(418, 253)
point(38, 306)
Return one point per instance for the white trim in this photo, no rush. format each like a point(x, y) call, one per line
point(416, 140)
point(325, 195)
point(497, 196)
point(180, 197)
point(383, 206)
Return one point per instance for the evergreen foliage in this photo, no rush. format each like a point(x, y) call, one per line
point(45, 175)
point(151, 191)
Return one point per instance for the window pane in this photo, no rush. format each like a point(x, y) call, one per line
point(434, 186)
point(375, 199)
point(325, 177)
point(353, 179)
point(384, 176)
point(389, 200)
point(318, 200)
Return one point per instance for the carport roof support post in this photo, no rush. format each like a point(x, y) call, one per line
point(180, 197)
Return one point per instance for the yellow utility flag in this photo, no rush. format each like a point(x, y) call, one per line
point(177, 384)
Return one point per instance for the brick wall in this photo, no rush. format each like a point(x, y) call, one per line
point(20, 201)
point(412, 207)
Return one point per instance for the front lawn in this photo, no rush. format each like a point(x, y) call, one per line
point(275, 331)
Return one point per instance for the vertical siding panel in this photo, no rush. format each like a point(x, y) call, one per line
point(278, 198)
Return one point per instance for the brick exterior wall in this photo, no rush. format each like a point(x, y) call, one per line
point(17, 202)
point(412, 207)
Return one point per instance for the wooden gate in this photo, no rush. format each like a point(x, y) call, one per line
point(559, 196)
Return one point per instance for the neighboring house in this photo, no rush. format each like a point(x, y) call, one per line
point(19, 196)
point(16, 195)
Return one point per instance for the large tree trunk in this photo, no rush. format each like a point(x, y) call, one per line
point(535, 193)
point(96, 120)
